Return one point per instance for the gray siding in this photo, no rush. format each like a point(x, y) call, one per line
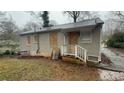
point(93, 48)
point(24, 46)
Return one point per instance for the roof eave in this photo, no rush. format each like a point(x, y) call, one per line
point(36, 32)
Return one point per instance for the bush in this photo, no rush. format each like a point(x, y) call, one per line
point(116, 40)
point(1, 54)
point(119, 45)
point(13, 53)
point(7, 52)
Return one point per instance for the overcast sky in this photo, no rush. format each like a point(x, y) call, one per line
point(21, 18)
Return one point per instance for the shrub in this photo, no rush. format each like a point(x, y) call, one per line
point(13, 53)
point(119, 45)
point(1, 54)
point(116, 40)
point(110, 42)
point(7, 52)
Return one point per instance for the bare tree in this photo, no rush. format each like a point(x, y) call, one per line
point(53, 22)
point(37, 16)
point(113, 23)
point(88, 15)
point(118, 18)
point(31, 26)
point(81, 15)
point(119, 14)
point(73, 14)
point(40, 18)
point(8, 29)
point(9, 32)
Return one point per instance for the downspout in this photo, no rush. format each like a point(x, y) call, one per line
point(38, 43)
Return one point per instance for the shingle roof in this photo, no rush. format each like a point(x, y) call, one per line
point(84, 23)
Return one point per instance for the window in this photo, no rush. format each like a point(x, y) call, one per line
point(28, 39)
point(35, 39)
point(85, 37)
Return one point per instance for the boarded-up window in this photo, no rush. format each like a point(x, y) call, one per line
point(53, 39)
point(35, 38)
point(28, 39)
point(85, 36)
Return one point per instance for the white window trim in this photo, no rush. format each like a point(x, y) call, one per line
point(90, 39)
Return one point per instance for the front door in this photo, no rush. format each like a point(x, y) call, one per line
point(72, 41)
point(73, 38)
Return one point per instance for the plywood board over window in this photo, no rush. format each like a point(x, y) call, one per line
point(53, 39)
point(28, 39)
point(53, 43)
point(35, 38)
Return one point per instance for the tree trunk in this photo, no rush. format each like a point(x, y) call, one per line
point(75, 19)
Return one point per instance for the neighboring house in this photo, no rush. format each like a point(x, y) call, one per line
point(81, 39)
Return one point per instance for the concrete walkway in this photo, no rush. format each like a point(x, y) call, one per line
point(117, 60)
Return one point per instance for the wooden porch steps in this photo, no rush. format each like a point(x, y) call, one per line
point(74, 50)
point(72, 59)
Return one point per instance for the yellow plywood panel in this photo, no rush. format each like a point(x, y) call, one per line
point(53, 39)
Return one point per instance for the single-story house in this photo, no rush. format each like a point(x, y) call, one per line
point(81, 39)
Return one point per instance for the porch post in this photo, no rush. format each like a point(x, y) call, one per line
point(62, 50)
point(85, 55)
point(64, 38)
point(75, 50)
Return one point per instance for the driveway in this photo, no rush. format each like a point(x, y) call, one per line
point(117, 60)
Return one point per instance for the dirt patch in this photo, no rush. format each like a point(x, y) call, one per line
point(70, 71)
point(105, 59)
point(72, 59)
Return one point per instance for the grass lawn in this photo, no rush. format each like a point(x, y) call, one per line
point(44, 69)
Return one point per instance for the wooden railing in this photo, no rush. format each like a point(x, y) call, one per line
point(81, 53)
point(75, 50)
